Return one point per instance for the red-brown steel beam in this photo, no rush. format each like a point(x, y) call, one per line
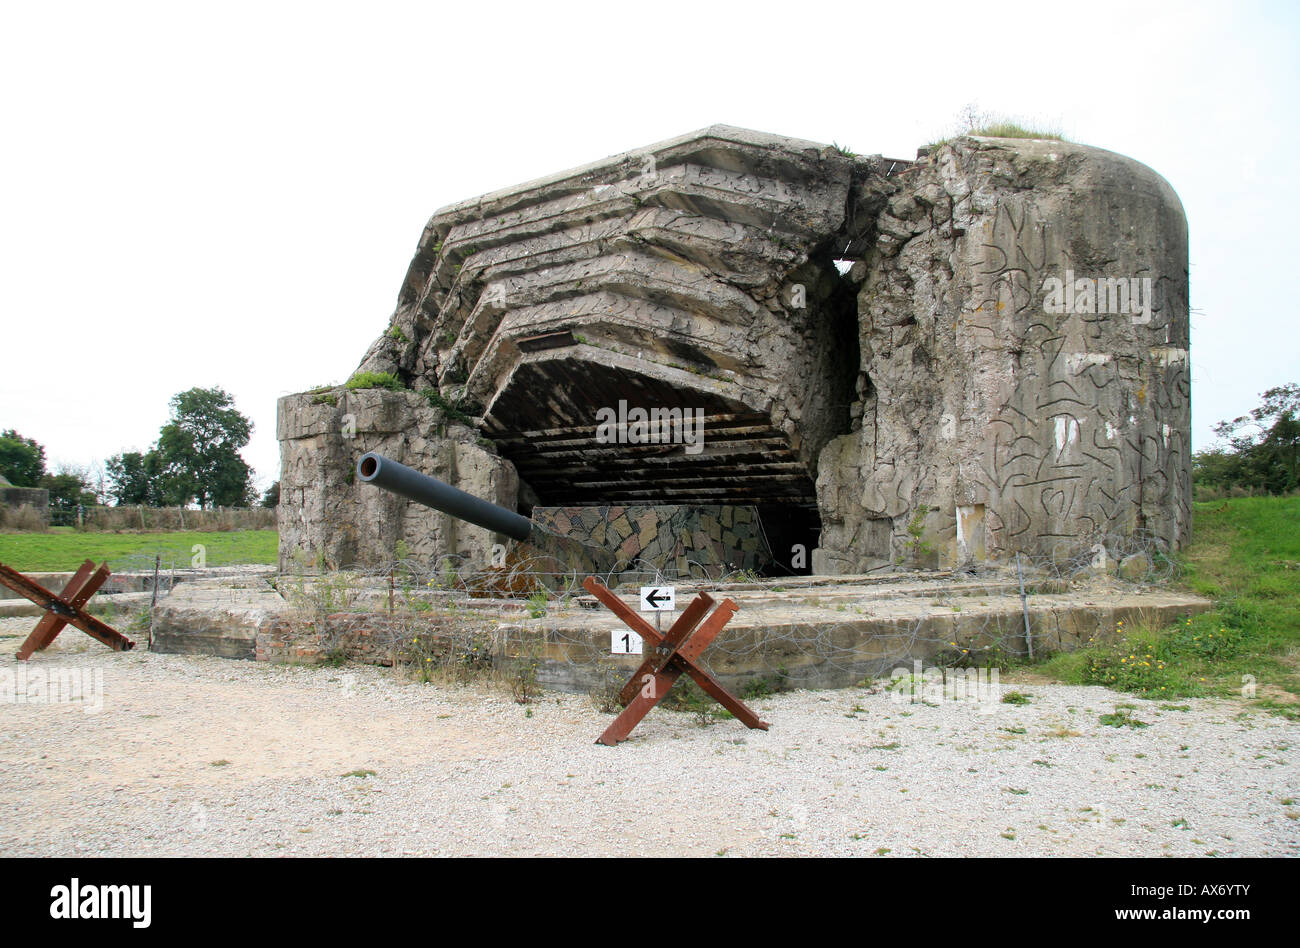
point(77, 599)
point(52, 623)
point(684, 626)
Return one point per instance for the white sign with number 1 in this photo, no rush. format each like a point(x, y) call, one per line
point(623, 642)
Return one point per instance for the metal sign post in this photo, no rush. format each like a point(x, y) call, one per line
point(658, 599)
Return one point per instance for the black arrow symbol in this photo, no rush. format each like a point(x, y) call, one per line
point(653, 598)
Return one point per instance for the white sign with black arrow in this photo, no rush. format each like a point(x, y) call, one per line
point(658, 598)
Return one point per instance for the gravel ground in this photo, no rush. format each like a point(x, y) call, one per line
point(205, 756)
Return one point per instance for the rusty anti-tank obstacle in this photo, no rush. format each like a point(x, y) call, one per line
point(675, 653)
point(66, 608)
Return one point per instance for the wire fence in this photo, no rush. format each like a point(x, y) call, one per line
point(135, 518)
point(535, 619)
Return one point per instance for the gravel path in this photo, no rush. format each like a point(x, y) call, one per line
point(205, 756)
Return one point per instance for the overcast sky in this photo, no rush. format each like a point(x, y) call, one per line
point(229, 194)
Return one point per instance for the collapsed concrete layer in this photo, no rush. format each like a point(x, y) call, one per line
point(662, 279)
point(943, 401)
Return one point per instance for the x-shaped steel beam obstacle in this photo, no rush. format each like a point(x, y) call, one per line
point(67, 608)
point(674, 652)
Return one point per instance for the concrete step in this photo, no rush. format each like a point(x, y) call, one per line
point(138, 581)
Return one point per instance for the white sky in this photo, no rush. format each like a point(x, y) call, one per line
point(230, 194)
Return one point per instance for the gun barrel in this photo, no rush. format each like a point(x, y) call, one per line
point(407, 482)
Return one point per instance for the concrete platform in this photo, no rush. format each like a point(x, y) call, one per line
point(816, 632)
point(25, 607)
point(222, 617)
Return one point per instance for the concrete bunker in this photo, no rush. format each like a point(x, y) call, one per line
point(880, 377)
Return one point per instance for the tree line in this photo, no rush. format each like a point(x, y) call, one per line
point(1258, 452)
point(195, 460)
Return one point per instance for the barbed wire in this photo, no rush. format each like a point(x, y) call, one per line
point(807, 630)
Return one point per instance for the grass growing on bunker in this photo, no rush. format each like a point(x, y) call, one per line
point(364, 380)
point(1008, 129)
point(972, 121)
point(1245, 555)
point(453, 410)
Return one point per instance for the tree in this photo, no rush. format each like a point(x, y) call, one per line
point(22, 460)
point(1261, 450)
point(198, 451)
point(196, 457)
point(133, 478)
point(67, 489)
point(96, 479)
point(272, 496)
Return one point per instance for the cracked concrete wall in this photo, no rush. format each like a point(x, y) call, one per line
point(695, 541)
point(696, 268)
point(990, 421)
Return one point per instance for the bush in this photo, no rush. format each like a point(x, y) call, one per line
point(22, 519)
point(454, 411)
point(375, 380)
point(1129, 668)
point(433, 657)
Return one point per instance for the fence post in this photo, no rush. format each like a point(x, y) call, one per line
point(1024, 607)
point(153, 601)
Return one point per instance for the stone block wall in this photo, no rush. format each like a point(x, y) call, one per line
point(35, 499)
point(706, 540)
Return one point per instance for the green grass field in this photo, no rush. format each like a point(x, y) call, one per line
point(1244, 554)
point(64, 549)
